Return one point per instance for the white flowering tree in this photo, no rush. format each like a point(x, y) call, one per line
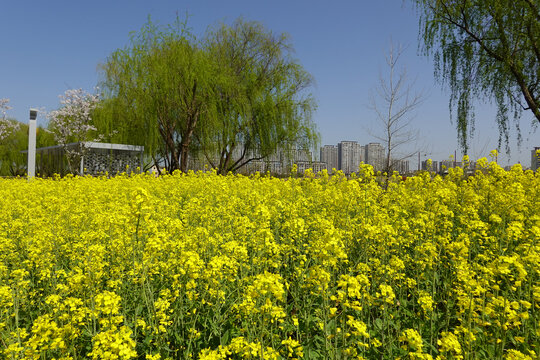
point(6, 126)
point(72, 123)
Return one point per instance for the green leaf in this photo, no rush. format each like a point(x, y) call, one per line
point(225, 338)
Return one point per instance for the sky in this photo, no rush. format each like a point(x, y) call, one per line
point(51, 46)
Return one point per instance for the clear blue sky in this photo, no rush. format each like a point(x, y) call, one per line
point(48, 47)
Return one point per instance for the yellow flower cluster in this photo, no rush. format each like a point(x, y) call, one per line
point(201, 266)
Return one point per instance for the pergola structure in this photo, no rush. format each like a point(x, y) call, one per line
point(89, 158)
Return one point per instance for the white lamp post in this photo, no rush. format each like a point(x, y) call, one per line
point(32, 143)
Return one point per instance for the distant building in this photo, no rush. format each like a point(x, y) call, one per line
point(318, 166)
point(447, 164)
point(401, 166)
point(301, 157)
point(434, 166)
point(374, 156)
point(329, 156)
point(535, 159)
point(350, 155)
point(282, 161)
point(315, 166)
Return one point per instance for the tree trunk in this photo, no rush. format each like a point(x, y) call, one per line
point(186, 142)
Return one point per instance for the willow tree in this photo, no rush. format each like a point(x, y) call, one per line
point(157, 91)
point(264, 106)
point(487, 49)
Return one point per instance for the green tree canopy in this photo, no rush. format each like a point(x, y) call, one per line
point(158, 91)
point(236, 92)
point(265, 107)
point(487, 49)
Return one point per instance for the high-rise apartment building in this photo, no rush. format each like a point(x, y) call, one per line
point(359, 156)
point(350, 154)
point(344, 156)
point(329, 155)
point(374, 156)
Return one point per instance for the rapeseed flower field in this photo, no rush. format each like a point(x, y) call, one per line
point(201, 266)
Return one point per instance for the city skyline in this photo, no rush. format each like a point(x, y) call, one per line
point(330, 154)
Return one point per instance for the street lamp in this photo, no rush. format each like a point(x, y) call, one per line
point(32, 144)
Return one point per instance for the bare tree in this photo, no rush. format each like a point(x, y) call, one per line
point(394, 101)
